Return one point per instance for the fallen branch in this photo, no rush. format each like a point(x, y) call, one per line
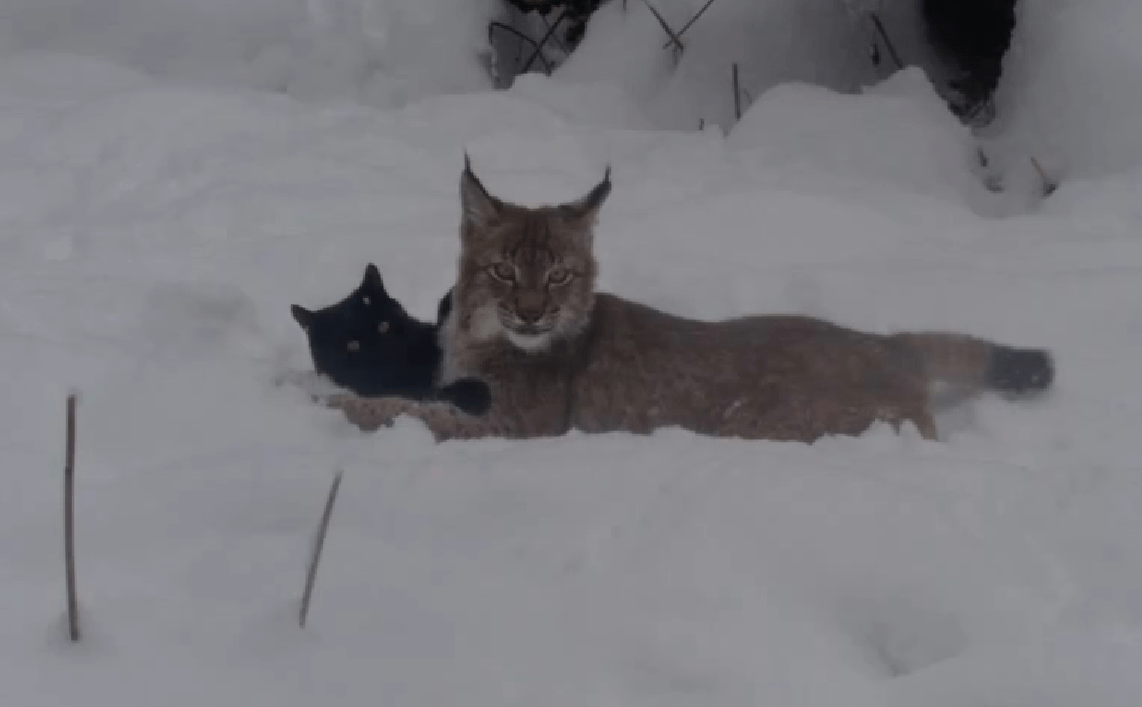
point(69, 520)
point(318, 544)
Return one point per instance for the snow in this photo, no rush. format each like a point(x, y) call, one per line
point(909, 139)
point(1075, 87)
point(379, 53)
point(816, 43)
point(160, 211)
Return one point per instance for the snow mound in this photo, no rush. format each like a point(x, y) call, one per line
point(812, 41)
point(898, 133)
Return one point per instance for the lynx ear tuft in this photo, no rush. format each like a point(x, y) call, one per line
point(587, 208)
point(477, 206)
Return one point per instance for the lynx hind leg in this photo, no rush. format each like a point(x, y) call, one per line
point(907, 401)
point(918, 415)
point(807, 417)
point(895, 412)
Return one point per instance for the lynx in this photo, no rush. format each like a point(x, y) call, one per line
point(558, 356)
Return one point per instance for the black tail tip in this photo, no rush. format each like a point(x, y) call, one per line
point(1021, 370)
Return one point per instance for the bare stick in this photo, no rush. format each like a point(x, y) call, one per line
point(879, 26)
point(1049, 185)
point(692, 21)
point(319, 542)
point(555, 36)
point(665, 27)
point(737, 94)
point(69, 520)
point(523, 37)
point(539, 48)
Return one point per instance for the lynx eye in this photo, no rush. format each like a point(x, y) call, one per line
point(558, 276)
point(503, 271)
point(354, 346)
point(383, 327)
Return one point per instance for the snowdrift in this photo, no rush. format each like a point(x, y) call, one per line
point(161, 207)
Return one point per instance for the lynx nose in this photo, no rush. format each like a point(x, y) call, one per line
point(529, 316)
point(529, 307)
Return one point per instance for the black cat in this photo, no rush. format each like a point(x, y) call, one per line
point(370, 345)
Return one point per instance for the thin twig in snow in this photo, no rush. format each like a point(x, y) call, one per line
point(875, 19)
point(1049, 184)
point(69, 520)
point(665, 27)
point(318, 544)
point(692, 21)
point(737, 94)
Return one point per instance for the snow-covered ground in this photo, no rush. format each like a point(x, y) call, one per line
point(155, 228)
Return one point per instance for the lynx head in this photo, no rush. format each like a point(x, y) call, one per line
point(527, 274)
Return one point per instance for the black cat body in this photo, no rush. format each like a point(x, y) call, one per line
point(368, 344)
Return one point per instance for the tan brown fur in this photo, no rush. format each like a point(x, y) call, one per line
point(606, 364)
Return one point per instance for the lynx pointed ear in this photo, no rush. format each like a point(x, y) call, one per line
point(303, 316)
point(373, 279)
point(587, 208)
point(444, 308)
point(477, 206)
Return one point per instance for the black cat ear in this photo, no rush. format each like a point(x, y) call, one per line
point(303, 316)
point(373, 279)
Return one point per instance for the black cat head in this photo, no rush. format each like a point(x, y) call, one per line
point(366, 330)
point(370, 345)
